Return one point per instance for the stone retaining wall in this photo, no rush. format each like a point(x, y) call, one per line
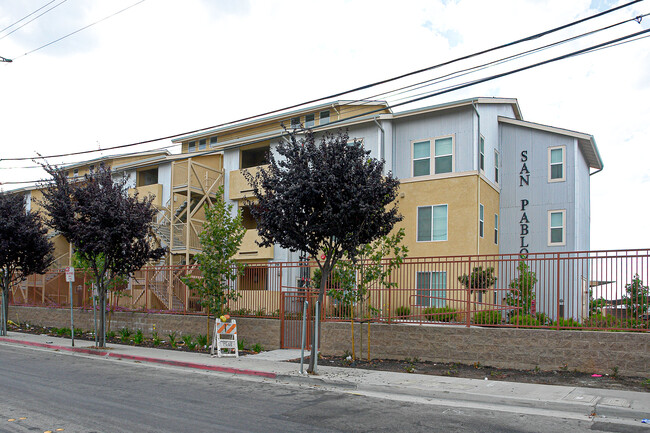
point(588, 351)
point(266, 332)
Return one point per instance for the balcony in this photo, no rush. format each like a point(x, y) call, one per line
point(239, 187)
point(155, 189)
point(250, 250)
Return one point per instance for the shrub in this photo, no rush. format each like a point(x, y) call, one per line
point(240, 344)
point(602, 321)
point(110, 334)
point(202, 340)
point(403, 311)
point(125, 333)
point(525, 321)
point(172, 339)
point(138, 338)
point(487, 317)
point(189, 341)
point(155, 339)
point(257, 348)
point(440, 314)
point(567, 323)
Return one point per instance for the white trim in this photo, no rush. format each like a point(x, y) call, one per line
point(481, 140)
point(563, 178)
point(417, 222)
point(497, 170)
point(432, 155)
point(481, 220)
point(557, 244)
point(496, 229)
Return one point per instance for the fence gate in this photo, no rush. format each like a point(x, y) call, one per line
point(291, 311)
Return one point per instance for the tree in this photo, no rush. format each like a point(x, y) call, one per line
point(480, 280)
point(110, 230)
point(636, 299)
point(373, 264)
point(325, 199)
point(220, 241)
point(522, 289)
point(24, 247)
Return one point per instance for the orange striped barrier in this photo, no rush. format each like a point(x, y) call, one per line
point(224, 340)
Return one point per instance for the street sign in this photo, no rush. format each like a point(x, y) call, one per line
point(69, 274)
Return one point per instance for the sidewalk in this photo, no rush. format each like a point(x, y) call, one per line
point(569, 400)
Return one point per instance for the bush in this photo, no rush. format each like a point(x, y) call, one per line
point(602, 321)
point(202, 340)
point(403, 311)
point(487, 317)
point(526, 321)
point(441, 314)
point(567, 323)
point(125, 333)
point(138, 338)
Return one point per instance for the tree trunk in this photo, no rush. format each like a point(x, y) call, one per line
point(321, 295)
point(4, 313)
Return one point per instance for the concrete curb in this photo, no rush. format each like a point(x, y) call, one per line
point(107, 354)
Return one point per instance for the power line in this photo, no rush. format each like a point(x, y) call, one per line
point(609, 44)
point(36, 17)
point(335, 95)
point(27, 16)
point(79, 30)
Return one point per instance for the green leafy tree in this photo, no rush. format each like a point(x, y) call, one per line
point(480, 279)
point(522, 290)
point(636, 299)
point(110, 230)
point(325, 199)
point(24, 247)
point(373, 264)
point(220, 241)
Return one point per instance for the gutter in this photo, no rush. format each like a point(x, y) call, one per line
point(478, 179)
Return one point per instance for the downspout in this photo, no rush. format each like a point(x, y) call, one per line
point(380, 139)
point(478, 178)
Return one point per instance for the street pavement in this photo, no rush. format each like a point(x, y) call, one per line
point(564, 401)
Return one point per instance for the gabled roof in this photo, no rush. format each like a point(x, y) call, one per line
point(463, 103)
point(115, 157)
point(586, 142)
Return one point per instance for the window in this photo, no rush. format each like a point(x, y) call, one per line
point(75, 172)
point(556, 227)
point(255, 156)
point(147, 177)
point(191, 146)
point(481, 154)
point(431, 289)
point(203, 143)
point(481, 220)
point(213, 141)
point(496, 167)
point(432, 223)
point(324, 117)
point(91, 168)
point(556, 157)
point(247, 219)
point(443, 156)
point(295, 122)
point(309, 121)
point(421, 158)
point(496, 229)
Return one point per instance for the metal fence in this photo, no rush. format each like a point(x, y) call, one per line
point(597, 290)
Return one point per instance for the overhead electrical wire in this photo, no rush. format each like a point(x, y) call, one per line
point(335, 95)
point(27, 16)
point(36, 17)
point(79, 30)
point(593, 48)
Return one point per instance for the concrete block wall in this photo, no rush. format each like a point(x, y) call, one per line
point(266, 332)
point(588, 351)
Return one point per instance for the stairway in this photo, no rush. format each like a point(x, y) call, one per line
point(160, 289)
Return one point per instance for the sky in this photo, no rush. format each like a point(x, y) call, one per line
point(164, 67)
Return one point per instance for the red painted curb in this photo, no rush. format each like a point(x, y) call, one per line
point(146, 359)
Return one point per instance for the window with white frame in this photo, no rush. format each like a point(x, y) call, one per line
point(309, 121)
point(431, 289)
point(496, 166)
point(556, 163)
point(432, 223)
point(481, 220)
point(203, 143)
point(481, 153)
point(557, 227)
point(295, 122)
point(324, 117)
point(496, 229)
point(433, 156)
point(213, 141)
point(191, 146)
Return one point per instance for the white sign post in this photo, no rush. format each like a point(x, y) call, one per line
point(69, 277)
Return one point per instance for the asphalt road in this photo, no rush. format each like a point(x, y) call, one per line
point(42, 391)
